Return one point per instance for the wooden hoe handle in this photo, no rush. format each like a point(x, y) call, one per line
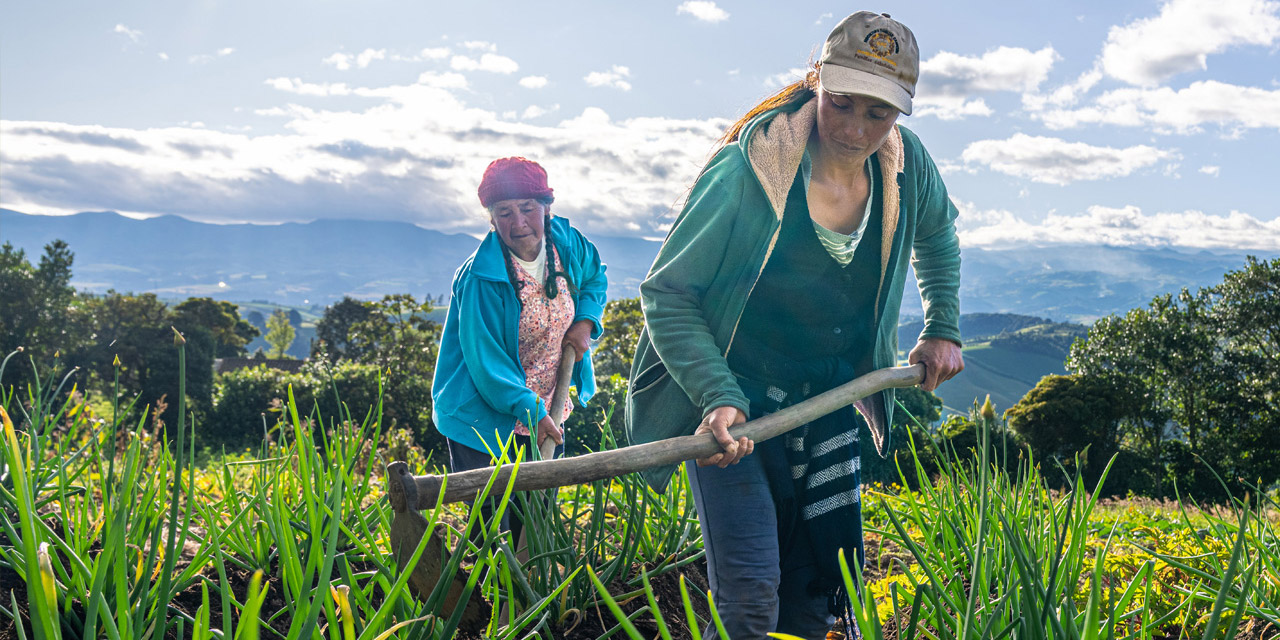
point(420, 492)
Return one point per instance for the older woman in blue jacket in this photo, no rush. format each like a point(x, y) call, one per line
point(534, 284)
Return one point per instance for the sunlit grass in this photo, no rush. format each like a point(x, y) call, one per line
point(118, 533)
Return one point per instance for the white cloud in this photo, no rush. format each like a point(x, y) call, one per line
point(614, 77)
point(780, 80)
point(414, 152)
point(534, 111)
point(202, 58)
point(948, 81)
point(950, 107)
point(533, 82)
point(824, 17)
point(703, 10)
point(343, 61)
point(1182, 111)
point(1210, 170)
point(132, 34)
point(1065, 95)
point(479, 45)
point(434, 53)
point(1184, 34)
point(163, 56)
point(1056, 161)
point(1123, 226)
point(340, 61)
point(490, 62)
point(296, 85)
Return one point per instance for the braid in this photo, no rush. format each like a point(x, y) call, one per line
point(549, 286)
point(549, 267)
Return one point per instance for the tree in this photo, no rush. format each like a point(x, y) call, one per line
point(623, 320)
point(398, 337)
point(39, 309)
point(279, 333)
point(221, 319)
point(334, 331)
point(1090, 416)
point(1206, 362)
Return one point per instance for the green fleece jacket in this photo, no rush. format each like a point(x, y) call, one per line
point(695, 293)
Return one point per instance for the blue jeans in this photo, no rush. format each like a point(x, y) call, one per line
point(758, 587)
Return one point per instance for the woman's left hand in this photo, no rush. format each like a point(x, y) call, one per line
point(941, 359)
point(579, 337)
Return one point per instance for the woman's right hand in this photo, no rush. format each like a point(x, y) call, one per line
point(547, 429)
point(717, 422)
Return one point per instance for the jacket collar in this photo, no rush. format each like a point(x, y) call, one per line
point(775, 144)
point(488, 262)
point(774, 148)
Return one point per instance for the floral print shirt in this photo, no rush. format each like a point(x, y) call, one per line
point(543, 323)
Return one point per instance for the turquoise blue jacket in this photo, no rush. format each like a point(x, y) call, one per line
point(479, 389)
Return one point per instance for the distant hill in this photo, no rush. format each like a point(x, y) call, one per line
point(1005, 355)
point(316, 263)
point(293, 264)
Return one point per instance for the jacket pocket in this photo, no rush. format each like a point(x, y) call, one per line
point(649, 377)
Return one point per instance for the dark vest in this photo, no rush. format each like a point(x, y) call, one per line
point(809, 319)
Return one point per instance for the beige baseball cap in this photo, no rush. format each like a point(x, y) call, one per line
point(871, 54)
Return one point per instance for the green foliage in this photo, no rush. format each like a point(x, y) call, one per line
point(598, 426)
point(280, 333)
point(623, 320)
point(38, 306)
point(1087, 417)
point(914, 419)
point(249, 403)
point(221, 319)
point(1206, 365)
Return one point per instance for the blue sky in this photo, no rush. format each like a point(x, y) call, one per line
point(1151, 123)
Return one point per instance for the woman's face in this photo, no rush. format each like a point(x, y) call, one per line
point(519, 225)
point(853, 127)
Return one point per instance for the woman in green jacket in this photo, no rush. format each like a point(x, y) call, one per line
point(780, 279)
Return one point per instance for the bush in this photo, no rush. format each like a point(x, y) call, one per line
point(246, 398)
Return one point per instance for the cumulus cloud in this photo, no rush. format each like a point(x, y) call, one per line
point(132, 34)
point(948, 81)
point(703, 10)
point(1057, 161)
point(434, 53)
point(1210, 170)
point(533, 82)
point(1064, 96)
point(1181, 111)
point(490, 62)
point(414, 152)
point(343, 61)
point(1123, 226)
point(163, 56)
point(479, 45)
point(1180, 39)
point(615, 77)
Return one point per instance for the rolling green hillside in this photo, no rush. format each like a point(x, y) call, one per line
point(1007, 365)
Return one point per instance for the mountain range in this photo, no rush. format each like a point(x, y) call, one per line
point(316, 263)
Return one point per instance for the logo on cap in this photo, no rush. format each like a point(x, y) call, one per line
point(882, 43)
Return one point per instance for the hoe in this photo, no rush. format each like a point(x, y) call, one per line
point(409, 494)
